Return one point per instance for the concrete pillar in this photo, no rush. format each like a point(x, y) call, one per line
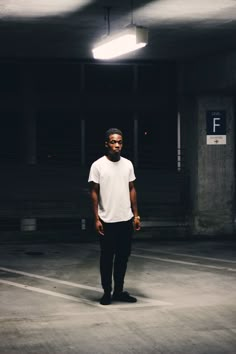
point(28, 132)
point(82, 124)
point(30, 136)
point(135, 141)
point(29, 116)
point(135, 116)
point(213, 190)
point(82, 139)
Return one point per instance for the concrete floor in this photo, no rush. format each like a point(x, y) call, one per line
point(186, 299)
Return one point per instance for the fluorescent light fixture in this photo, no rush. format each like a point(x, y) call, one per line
point(132, 38)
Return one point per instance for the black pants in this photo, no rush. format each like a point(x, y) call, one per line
point(115, 251)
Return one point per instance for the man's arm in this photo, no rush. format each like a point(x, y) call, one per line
point(134, 206)
point(94, 193)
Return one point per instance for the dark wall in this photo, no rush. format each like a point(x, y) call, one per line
point(59, 94)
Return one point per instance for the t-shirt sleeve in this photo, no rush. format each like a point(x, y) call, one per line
point(132, 176)
point(93, 174)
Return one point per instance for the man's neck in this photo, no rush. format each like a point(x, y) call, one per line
point(113, 157)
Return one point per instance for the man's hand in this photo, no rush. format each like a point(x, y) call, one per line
point(99, 227)
point(137, 224)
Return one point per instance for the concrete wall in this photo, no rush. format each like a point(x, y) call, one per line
point(208, 84)
point(213, 211)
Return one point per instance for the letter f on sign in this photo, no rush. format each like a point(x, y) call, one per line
point(215, 124)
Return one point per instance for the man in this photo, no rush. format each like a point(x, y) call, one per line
point(114, 202)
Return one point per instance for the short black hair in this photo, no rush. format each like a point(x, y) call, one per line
point(112, 131)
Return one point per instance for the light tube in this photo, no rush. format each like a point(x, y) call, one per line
point(132, 38)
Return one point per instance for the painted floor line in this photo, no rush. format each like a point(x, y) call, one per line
point(178, 261)
point(64, 282)
point(183, 262)
point(142, 302)
point(139, 304)
point(187, 255)
point(46, 292)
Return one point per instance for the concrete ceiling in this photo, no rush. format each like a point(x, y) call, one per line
point(178, 29)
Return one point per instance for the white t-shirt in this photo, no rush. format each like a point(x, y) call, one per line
point(113, 179)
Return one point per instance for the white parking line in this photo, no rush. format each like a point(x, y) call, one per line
point(64, 282)
point(186, 255)
point(142, 302)
point(46, 292)
point(147, 303)
point(183, 262)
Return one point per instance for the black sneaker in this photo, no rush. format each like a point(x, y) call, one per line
point(124, 296)
point(106, 299)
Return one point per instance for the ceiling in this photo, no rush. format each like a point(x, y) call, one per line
point(178, 29)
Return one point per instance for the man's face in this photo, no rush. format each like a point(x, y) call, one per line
point(114, 145)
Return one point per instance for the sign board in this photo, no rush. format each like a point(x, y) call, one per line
point(216, 127)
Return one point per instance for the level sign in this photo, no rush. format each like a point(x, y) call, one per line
point(216, 127)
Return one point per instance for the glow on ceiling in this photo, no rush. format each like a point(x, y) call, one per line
point(40, 8)
point(185, 9)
